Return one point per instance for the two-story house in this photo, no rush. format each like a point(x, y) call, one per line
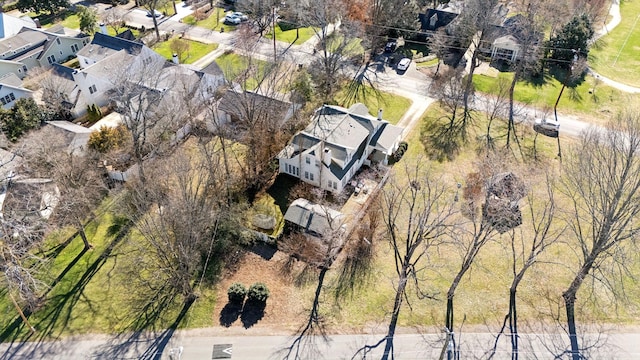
point(31, 48)
point(11, 89)
point(337, 142)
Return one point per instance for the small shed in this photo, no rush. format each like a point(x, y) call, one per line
point(314, 219)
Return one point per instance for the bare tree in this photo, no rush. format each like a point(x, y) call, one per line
point(262, 12)
point(491, 197)
point(526, 252)
point(602, 182)
point(318, 254)
point(115, 18)
point(152, 7)
point(55, 90)
point(416, 212)
point(75, 175)
point(178, 215)
point(475, 22)
point(137, 93)
point(335, 47)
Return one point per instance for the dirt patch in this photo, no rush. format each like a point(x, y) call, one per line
point(286, 304)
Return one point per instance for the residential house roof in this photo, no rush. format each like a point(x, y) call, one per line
point(242, 104)
point(127, 35)
point(103, 46)
point(313, 218)
point(76, 136)
point(11, 79)
point(213, 69)
point(16, 46)
point(434, 19)
point(11, 25)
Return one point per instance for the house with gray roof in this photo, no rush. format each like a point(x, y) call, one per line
point(31, 48)
point(103, 46)
point(336, 144)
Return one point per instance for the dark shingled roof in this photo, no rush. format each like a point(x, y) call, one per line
point(116, 43)
point(442, 18)
point(62, 71)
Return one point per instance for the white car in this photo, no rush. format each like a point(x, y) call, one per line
point(242, 16)
point(547, 127)
point(232, 19)
point(403, 64)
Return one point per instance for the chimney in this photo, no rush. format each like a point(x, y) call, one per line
point(326, 157)
point(379, 114)
point(37, 22)
point(103, 28)
point(175, 59)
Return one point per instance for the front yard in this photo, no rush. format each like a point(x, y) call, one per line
point(196, 50)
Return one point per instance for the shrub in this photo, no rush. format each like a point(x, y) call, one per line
point(236, 293)
point(107, 138)
point(258, 292)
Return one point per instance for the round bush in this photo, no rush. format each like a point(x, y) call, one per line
point(258, 292)
point(236, 293)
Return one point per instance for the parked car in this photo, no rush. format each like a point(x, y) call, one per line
point(547, 127)
point(403, 64)
point(242, 16)
point(391, 46)
point(235, 18)
point(157, 13)
point(232, 19)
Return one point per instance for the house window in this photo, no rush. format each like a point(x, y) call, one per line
point(7, 99)
point(58, 41)
point(86, 61)
point(92, 89)
point(60, 52)
point(311, 176)
point(74, 47)
point(307, 160)
point(51, 59)
point(332, 184)
point(306, 175)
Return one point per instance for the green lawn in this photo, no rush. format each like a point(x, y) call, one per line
point(616, 54)
point(595, 106)
point(196, 50)
point(215, 21)
point(289, 36)
point(92, 293)
point(393, 106)
point(241, 69)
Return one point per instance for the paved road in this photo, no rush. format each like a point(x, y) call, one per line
point(199, 344)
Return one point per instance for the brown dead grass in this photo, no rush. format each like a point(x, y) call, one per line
point(286, 304)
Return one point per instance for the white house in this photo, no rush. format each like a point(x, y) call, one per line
point(11, 25)
point(11, 90)
point(37, 48)
point(505, 48)
point(337, 142)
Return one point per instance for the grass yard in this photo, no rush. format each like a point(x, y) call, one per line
point(595, 107)
point(615, 55)
point(289, 36)
point(242, 69)
point(196, 50)
point(215, 21)
point(393, 106)
point(482, 297)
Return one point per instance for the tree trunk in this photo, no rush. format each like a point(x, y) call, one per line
point(569, 301)
point(83, 235)
point(513, 323)
point(397, 304)
point(22, 315)
point(510, 125)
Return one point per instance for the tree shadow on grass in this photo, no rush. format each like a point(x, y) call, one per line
point(58, 310)
point(252, 312)
point(441, 140)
